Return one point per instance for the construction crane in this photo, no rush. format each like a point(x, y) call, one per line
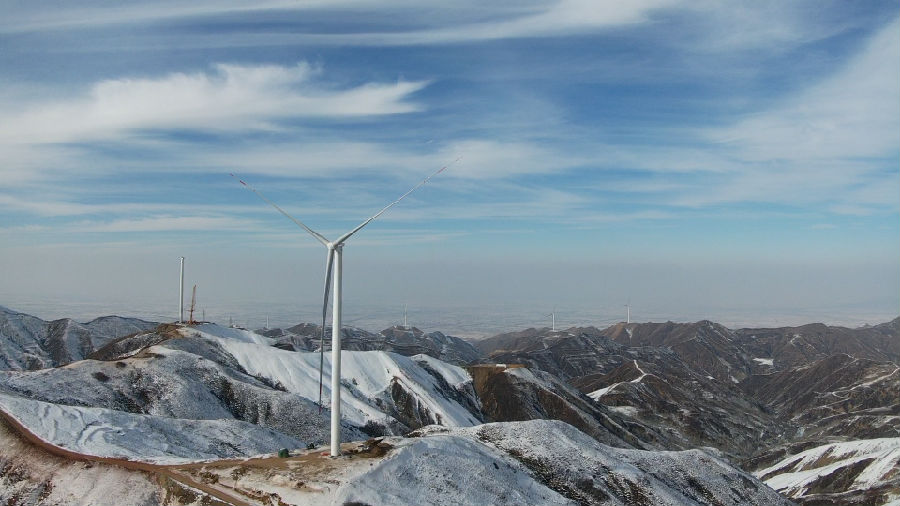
point(193, 302)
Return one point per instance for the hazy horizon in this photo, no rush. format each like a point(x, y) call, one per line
point(471, 322)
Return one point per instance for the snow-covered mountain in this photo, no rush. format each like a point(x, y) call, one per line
point(759, 395)
point(117, 434)
point(217, 373)
point(378, 389)
point(513, 393)
point(788, 347)
point(631, 387)
point(862, 472)
point(28, 343)
point(520, 463)
point(407, 341)
point(684, 404)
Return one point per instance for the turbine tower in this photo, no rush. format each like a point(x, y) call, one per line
point(333, 272)
point(181, 295)
point(628, 312)
point(553, 320)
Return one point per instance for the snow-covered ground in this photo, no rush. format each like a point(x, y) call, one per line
point(539, 462)
point(600, 392)
point(366, 376)
point(795, 475)
point(109, 433)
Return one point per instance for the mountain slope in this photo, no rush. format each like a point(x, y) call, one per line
point(837, 396)
point(517, 393)
point(516, 463)
point(522, 463)
point(657, 388)
point(29, 475)
point(110, 433)
point(566, 354)
point(856, 472)
point(230, 374)
point(377, 388)
point(29, 343)
point(796, 346)
point(401, 340)
point(707, 347)
point(665, 398)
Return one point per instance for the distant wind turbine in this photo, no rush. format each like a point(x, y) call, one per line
point(553, 319)
point(333, 271)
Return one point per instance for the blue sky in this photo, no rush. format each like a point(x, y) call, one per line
point(703, 159)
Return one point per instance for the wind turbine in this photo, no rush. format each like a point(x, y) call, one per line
point(553, 316)
point(333, 272)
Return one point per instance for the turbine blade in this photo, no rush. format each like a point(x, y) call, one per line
point(299, 223)
point(328, 264)
point(385, 208)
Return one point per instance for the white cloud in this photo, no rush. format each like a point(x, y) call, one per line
point(166, 224)
point(231, 97)
point(562, 17)
point(483, 159)
point(55, 205)
point(849, 115)
point(83, 15)
point(455, 22)
point(770, 24)
point(830, 144)
point(36, 136)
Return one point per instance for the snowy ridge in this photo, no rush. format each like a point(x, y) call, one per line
point(797, 475)
point(597, 394)
point(456, 376)
point(109, 433)
point(28, 343)
point(547, 462)
point(367, 377)
point(517, 463)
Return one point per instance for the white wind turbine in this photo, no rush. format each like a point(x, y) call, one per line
point(335, 252)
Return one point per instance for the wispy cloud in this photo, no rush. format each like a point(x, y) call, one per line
point(166, 223)
point(449, 23)
point(832, 143)
point(85, 15)
point(562, 17)
point(41, 137)
point(852, 114)
point(229, 97)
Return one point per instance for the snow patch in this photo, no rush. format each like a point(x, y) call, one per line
point(625, 410)
point(365, 376)
point(797, 472)
point(109, 433)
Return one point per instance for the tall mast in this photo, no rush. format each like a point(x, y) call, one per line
point(181, 295)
